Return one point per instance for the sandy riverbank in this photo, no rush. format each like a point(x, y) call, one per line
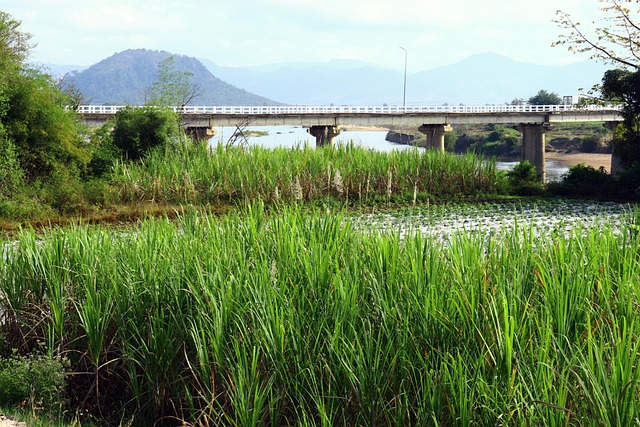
point(8, 422)
point(595, 160)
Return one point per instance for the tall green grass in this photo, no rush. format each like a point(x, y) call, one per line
point(294, 319)
point(201, 174)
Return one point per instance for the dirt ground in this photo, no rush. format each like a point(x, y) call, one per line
point(7, 422)
point(595, 160)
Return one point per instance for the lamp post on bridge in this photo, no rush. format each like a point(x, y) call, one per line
point(404, 92)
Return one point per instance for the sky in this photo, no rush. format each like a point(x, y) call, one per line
point(259, 32)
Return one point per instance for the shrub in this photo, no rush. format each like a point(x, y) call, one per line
point(590, 144)
point(34, 380)
point(585, 181)
point(524, 180)
point(138, 130)
point(10, 172)
point(628, 183)
point(104, 154)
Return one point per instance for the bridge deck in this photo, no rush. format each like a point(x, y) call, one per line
point(211, 116)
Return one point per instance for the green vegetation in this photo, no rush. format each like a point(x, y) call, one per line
point(524, 180)
point(197, 174)
point(624, 86)
point(172, 88)
point(291, 318)
point(33, 382)
point(39, 135)
point(286, 310)
point(488, 140)
point(137, 131)
point(506, 142)
point(545, 98)
point(616, 43)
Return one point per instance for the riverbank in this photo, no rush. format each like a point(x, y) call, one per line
point(10, 422)
point(596, 160)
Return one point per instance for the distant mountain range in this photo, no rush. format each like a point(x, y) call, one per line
point(477, 80)
point(480, 79)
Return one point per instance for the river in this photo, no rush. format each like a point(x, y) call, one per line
point(290, 136)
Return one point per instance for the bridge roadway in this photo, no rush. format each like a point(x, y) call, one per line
point(324, 122)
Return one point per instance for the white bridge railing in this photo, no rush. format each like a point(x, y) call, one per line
point(301, 109)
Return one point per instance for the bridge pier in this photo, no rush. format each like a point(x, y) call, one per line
point(324, 134)
point(533, 143)
point(435, 135)
point(200, 133)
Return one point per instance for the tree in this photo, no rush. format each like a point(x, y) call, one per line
point(545, 98)
point(616, 42)
point(10, 171)
point(35, 122)
point(14, 44)
point(137, 130)
point(623, 86)
point(173, 88)
point(69, 88)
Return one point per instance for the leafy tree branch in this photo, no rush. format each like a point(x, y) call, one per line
point(615, 41)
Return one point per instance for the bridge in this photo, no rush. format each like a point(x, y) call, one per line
point(324, 122)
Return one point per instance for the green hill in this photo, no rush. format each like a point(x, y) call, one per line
point(124, 77)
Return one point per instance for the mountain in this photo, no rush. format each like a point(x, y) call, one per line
point(494, 79)
point(479, 79)
point(59, 70)
point(124, 77)
point(338, 82)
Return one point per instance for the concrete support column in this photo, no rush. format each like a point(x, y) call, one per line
point(200, 133)
point(324, 134)
point(533, 142)
point(435, 135)
point(616, 165)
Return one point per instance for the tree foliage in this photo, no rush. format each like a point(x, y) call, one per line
point(617, 38)
point(545, 98)
point(34, 119)
point(10, 172)
point(623, 86)
point(14, 44)
point(138, 130)
point(173, 88)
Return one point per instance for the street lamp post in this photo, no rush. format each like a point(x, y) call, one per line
point(404, 92)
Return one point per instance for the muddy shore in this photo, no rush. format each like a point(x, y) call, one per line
point(596, 160)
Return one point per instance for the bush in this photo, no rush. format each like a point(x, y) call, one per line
point(35, 380)
point(590, 144)
point(138, 130)
point(10, 172)
point(628, 183)
point(524, 180)
point(104, 153)
point(585, 181)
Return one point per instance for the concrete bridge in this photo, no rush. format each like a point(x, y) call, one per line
point(324, 122)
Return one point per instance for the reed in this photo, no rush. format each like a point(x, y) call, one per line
point(200, 174)
point(289, 318)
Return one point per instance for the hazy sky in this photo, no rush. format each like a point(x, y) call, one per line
point(256, 32)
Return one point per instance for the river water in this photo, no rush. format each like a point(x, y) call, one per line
point(290, 136)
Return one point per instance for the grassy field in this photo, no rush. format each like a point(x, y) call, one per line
point(298, 318)
point(220, 178)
